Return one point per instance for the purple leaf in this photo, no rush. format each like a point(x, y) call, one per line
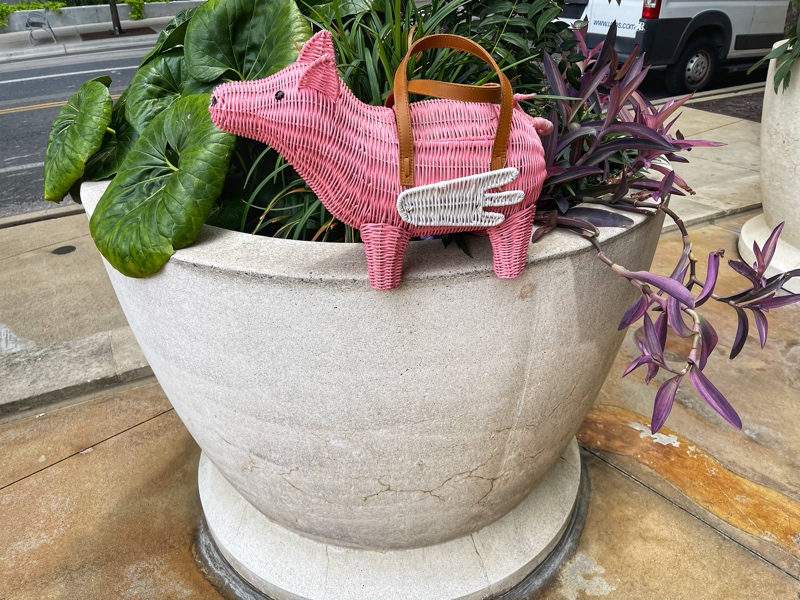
point(666, 185)
point(664, 170)
point(599, 217)
point(741, 332)
point(689, 144)
point(608, 46)
point(746, 271)
point(769, 247)
point(651, 339)
point(711, 278)
point(709, 340)
point(761, 324)
point(670, 107)
point(679, 272)
point(640, 131)
point(634, 313)
point(675, 318)
point(759, 265)
point(571, 173)
point(593, 83)
point(607, 149)
point(540, 232)
point(636, 363)
point(556, 82)
point(652, 371)
point(661, 329)
point(714, 397)
point(569, 221)
point(629, 65)
point(666, 284)
point(614, 104)
point(663, 402)
point(575, 134)
point(778, 301)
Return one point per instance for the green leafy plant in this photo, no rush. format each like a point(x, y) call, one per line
point(138, 141)
point(137, 8)
point(7, 9)
point(785, 56)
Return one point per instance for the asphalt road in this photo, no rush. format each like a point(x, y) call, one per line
point(31, 94)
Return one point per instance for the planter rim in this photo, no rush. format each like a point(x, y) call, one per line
point(263, 257)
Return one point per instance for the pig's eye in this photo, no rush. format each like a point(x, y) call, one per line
point(279, 95)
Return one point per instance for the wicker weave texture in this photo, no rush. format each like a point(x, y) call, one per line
point(347, 151)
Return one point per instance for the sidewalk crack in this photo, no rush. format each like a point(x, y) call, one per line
point(83, 450)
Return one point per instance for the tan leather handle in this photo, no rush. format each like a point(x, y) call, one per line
point(454, 91)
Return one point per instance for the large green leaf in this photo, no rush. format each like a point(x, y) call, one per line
point(77, 132)
point(171, 36)
point(116, 145)
point(245, 39)
point(164, 190)
point(157, 85)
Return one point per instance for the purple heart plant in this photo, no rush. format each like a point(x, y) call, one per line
point(613, 147)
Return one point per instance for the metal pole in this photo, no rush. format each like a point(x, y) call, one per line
point(112, 5)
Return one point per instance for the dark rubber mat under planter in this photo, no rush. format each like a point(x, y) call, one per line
point(105, 35)
point(742, 106)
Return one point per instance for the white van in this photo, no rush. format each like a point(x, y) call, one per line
point(690, 38)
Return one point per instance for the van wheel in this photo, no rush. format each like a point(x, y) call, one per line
point(695, 68)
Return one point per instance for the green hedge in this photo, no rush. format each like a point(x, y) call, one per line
point(7, 9)
point(137, 7)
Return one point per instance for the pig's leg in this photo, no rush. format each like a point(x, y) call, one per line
point(385, 246)
point(510, 243)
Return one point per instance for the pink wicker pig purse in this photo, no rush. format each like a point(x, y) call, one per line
point(409, 170)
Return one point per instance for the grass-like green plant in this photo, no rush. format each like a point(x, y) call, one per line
point(7, 9)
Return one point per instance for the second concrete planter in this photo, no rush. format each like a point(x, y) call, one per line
point(366, 433)
point(780, 178)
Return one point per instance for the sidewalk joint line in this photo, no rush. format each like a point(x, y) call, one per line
point(45, 246)
point(694, 516)
point(111, 437)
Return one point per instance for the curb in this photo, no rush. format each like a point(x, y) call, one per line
point(40, 215)
point(63, 371)
point(716, 202)
point(77, 48)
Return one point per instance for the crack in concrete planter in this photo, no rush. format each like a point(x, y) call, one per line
point(780, 179)
point(382, 421)
point(517, 555)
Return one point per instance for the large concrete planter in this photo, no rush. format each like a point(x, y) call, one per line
point(780, 178)
point(372, 444)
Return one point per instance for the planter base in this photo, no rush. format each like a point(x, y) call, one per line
point(249, 557)
point(786, 258)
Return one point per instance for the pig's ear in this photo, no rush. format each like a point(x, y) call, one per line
point(321, 43)
point(321, 75)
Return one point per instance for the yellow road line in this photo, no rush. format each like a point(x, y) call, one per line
point(16, 109)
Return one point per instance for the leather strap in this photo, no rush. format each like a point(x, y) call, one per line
point(489, 92)
point(453, 91)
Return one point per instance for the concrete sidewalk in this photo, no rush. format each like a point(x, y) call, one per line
point(15, 46)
